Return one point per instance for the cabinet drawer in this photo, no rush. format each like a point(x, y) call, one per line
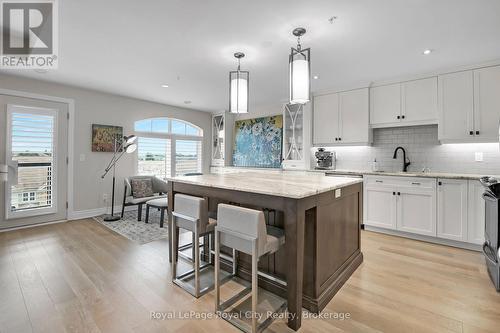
point(417, 182)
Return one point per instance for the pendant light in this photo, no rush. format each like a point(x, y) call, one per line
point(238, 88)
point(300, 69)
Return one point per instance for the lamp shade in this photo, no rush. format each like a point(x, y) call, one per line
point(130, 148)
point(238, 92)
point(299, 76)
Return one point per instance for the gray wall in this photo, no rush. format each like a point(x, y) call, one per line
point(423, 149)
point(93, 107)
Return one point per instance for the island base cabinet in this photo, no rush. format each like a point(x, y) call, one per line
point(331, 248)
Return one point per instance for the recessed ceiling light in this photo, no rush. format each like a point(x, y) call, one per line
point(164, 85)
point(315, 77)
point(427, 52)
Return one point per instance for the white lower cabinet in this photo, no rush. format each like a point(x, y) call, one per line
point(401, 203)
point(416, 210)
point(380, 204)
point(452, 209)
point(476, 213)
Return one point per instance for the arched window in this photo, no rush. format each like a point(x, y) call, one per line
point(168, 147)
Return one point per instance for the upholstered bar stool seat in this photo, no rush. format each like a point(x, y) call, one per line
point(245, 230)
point(191, 213)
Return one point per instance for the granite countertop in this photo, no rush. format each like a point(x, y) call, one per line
point(288, 184)
point(404, 174)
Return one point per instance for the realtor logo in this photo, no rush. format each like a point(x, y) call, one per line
point(29, 34)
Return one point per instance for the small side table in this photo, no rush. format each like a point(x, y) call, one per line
point(161, 204)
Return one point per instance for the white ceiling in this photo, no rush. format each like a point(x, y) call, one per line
point(131, 47)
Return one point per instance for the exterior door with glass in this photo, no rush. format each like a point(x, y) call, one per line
point(33, 147)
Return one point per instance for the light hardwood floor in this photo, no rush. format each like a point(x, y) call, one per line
point(81, 277)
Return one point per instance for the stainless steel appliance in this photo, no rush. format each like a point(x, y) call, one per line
point(491, 247)
point(325, 160)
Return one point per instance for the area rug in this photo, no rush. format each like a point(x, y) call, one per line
point(138, 231)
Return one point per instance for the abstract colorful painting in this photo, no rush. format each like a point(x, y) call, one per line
point(258, 142)
point(103, 137)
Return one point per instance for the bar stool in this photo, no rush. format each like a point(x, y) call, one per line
point(245, 230)
point(191, 213)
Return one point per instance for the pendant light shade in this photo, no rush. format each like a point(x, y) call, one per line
point(300, 69)
point(238, 88)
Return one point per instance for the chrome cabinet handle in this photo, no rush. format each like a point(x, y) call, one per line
point(415, 183)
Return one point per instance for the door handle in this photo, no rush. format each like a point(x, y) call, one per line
point(399, 193)
point(490, 256)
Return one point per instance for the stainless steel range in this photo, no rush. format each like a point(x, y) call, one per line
point(491, 248)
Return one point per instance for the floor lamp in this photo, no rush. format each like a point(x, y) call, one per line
point(122, 145)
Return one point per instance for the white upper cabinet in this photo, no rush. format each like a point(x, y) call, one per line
point(456, 106)
point(404, 104)
point(452, 209)
point(469, 106)
point(385, 104)
point(342, 118)
point(326, 118)
point(486, 104)
point(353, 117)
point(419, 101)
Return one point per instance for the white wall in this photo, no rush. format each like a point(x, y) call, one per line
point(93, 107)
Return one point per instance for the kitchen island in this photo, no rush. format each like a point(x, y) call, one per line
point(321, 217)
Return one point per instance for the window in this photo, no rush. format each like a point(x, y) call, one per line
point(168, 147)
point(32, 144)
point(27, 196)
point(187, 157)
point(153, 157)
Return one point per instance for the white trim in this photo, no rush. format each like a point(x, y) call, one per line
point(31, 225)
point(88, 213)
point(429, 239)
point(71, 134)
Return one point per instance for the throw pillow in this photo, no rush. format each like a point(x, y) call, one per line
point(142, 188)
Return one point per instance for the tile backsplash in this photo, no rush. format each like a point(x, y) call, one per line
point(423, 150)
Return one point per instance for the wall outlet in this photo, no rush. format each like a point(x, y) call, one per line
point(479, 157)
point(105, 197)
point(82, 157)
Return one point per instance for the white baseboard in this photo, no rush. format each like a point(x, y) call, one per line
point(435, 240)
point(89, 213)
point(31, 225)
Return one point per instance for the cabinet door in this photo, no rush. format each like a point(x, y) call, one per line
point(420, 101)
point(326, 118)
point(416, 210)
point(476, 219)
point(456, 106)
point(385, 104)
point(380, 206)
point(354, 114)
point(452, 209)
point(486, 104)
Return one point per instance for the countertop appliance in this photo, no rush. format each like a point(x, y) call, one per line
point(491, 247)
point(325, 160)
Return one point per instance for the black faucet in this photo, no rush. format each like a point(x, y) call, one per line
point(405, 164)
